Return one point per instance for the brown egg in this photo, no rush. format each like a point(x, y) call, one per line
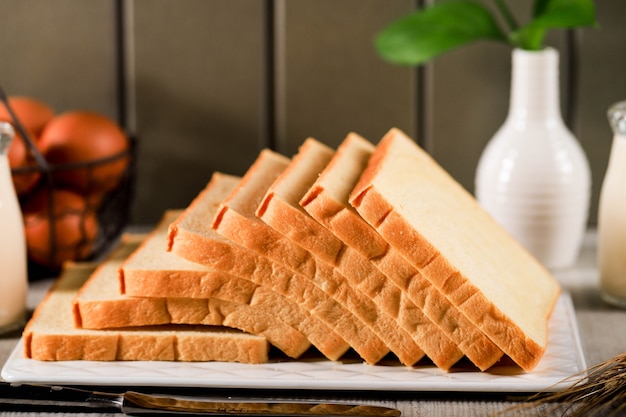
point(75, 227)
point(26, 171)
point(80, 137)
point(34, 115)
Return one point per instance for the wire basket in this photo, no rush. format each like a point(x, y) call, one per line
point(98, 224)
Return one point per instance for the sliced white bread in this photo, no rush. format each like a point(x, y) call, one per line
point(327, 198)
point(443, 232)
point(50, 335)
point(191, 237)
point(152, 271)
point(369, 332)
point(401, 324)
point(99, 304)
point(327, 201)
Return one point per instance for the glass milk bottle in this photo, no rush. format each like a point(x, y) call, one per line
point(13, 270)
point(612, 214)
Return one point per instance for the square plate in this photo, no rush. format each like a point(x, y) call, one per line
point(563, 358)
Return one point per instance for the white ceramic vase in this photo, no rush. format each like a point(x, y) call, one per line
point(533, 177)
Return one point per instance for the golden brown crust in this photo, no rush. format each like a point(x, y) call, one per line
point(99, 306)
point(237, 221)
point(145, 345)
point(149, 311)
point(202, 245)
point(479, 311)
point(256, 236)
point(330, 207)
point(286, 189)
point(331, 211)
point(211, 284)
point(355, 331)
point(373, 306)
point(294, 312)
point(51, 334)
point(293, 226)
point(474, 304)
point(345, 224)
point(476, 346)
point(391, 298)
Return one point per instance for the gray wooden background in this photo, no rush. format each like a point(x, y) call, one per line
point(205, 84)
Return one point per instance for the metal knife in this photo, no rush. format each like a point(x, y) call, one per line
point(136, 403)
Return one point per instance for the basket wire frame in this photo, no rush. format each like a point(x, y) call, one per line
point(112, 213)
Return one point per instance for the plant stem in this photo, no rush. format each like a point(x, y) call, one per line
point(506, 14)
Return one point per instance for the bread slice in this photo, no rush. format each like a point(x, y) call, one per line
point(400, 323)
point(99, 304)
point(152, 271)
point(50, 335)
point(442, 231)
point(369, 332)
point(191, 237)
point(327, 201)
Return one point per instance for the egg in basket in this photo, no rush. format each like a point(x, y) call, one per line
point(74, 176)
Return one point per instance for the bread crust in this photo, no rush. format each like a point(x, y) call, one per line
point(98, 304)
point(402, 324)
point(356, 311)
point(297, 309)
point(371, 303)
point(151, 311)
point(329, 204)
point(50, 335)
point(422, 254)
point(300, 228)
point(146, 345)
point(237, 221)
point(150, 271)
point(343, 222)
point(280, 210)
point(332, 209)
point(308, 311)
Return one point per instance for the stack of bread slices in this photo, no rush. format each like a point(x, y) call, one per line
point(370, 248)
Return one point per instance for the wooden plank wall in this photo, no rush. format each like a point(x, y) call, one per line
point(205, 84)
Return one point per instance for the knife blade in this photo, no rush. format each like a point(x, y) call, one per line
point(137, 403)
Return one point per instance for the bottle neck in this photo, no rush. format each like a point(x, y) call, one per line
point(6, 136)
point(535, 86)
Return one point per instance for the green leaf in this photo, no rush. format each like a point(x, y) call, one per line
point(539, 7)
point(552, 14)
point(429, 32)
point(564, 14)
point(528, 37)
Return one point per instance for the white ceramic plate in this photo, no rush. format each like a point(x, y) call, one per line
point(563, 359)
